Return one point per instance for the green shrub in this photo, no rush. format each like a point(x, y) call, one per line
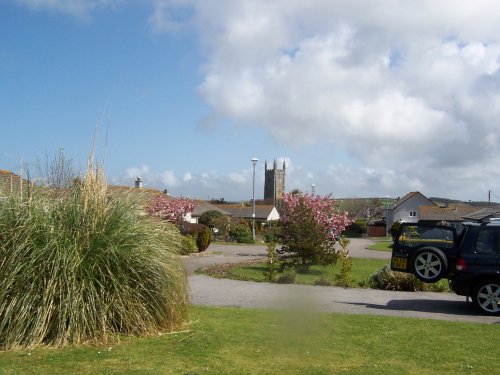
point(322, 280)
point(272, 234)
point(247, 240)
point(240, 231)
point(207, 217)
point(273, 263)
point(203, 239)
point(344, 276)
point(356, 229)
point(188, 245)
point(287, 277)
point(201, 234)
point(394, 230)
point(387, 279)
point(80, 266)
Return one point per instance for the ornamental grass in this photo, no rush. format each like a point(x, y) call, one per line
point(78, 265)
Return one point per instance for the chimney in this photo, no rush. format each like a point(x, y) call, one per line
point(446, 203)
point(138, 183)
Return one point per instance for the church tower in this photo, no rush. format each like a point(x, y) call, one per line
point(274, 183)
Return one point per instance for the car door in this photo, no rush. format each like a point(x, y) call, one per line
point(482, 252)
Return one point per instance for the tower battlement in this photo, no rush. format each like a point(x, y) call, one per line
point(274, 183)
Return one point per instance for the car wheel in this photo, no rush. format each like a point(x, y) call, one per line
point(487, 297)
point(429, 264)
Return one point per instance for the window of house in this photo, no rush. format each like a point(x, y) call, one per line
point(413, 213)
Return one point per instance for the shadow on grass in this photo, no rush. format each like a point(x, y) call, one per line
point(429, 306)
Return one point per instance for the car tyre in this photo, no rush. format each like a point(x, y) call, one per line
point(486, 297)
point(429, 264)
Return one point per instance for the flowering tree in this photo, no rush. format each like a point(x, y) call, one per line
point(170, 209)
point(311, 226)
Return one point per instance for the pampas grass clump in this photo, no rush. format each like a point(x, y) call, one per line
point(78, 266)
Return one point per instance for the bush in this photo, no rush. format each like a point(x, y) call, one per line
point(287, 277)
point(387, 279)
point(85, 267)
point(207, 217)
point(356, 229)
point(273, 263)
point(201, 234)
point(188, 245)
point(272, 234)
point(394, 231)
point(323, 281)
point(247, 240)
point(203, 239)
point(240, 231)
point(344, 276)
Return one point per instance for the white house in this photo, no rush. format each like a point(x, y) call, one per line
point(407, 208)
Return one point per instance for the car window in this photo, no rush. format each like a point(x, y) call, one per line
point(487, 242)
point(418, 235)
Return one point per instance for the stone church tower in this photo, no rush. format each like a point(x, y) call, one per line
point(274, 183)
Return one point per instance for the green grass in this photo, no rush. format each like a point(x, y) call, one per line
point(250, 341)
point(254, 271)
point(381, 246)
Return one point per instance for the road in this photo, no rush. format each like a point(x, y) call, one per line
point(206, 290)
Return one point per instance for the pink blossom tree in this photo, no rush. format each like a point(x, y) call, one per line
point(311, 226)
point(170, 209)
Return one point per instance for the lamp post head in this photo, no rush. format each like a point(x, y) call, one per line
point(254, 160)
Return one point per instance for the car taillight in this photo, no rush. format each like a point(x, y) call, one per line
point(461, 265)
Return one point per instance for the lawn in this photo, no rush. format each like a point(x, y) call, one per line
point(254, 271)
point(251, 341)
point(381, 246)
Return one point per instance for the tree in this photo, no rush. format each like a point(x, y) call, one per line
point(171, 209)
point(208, 217)
point(311, 227)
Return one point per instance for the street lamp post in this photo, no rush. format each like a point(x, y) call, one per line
point(254, 162)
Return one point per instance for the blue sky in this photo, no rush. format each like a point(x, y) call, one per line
point(359, 103)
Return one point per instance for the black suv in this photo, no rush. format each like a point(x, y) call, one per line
point(469, 260)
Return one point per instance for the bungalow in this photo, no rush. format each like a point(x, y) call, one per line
point(11, 183)
point(452, 215)
point(263, 213)
point(201, 207)
point(490, 212)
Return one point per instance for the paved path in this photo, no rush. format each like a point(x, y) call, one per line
point(206, 290)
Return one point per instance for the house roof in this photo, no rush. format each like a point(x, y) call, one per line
point(204, 206)
point(10, 182)
point(455, 212)
point(483, 213)
point(245, 212)
point(409, 196)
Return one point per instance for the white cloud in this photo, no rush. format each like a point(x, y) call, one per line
point(408, 90)
point(238, 178)
point(77, 8)
point(134, 172)
point(168, 178)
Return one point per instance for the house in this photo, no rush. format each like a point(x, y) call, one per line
point(450, 214)
point(201, 207)
point(263, 213)
point(11, 183)
point(407, 208)
point(489, 212)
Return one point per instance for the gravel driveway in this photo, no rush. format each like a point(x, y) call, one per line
point(210, 291)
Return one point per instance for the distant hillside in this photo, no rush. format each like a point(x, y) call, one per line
point(472, 203)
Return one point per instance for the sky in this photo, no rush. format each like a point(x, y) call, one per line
point(360, 98)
